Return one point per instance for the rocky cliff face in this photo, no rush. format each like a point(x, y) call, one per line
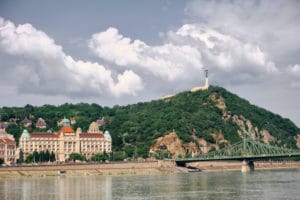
point(243, 123)
point(172, 144)
point(169, 143)
point(298, 140)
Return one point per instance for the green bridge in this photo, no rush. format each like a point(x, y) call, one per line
point(247, 150)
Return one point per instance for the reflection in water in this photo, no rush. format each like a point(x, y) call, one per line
point(228, 185)
point(60, 188)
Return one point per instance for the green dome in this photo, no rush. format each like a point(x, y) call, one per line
point(25, 134)
point(107, 135)
point(66, 122)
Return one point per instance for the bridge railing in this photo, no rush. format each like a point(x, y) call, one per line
point(248, 148)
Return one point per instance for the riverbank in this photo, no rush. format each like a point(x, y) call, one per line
point(86, 169)
point(142, 168)
point(236, 166)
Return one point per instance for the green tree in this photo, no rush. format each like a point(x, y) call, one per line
point(52, 156)
point(47, 156)
point(15, 130)
point(119, 155)
point(41, 156)
point(186, 112)
point(36, 156)
point(100, 157)
point(77, 156)
point(29, 158)
point(21, 157)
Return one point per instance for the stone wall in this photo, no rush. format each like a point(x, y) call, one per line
point(95, 166)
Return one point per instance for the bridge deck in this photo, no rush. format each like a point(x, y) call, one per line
point(237, 158)
point(247, 149)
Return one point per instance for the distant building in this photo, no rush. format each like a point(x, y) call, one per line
point(73, 120)
point(13, 120)
point(26, 122)
point(3, 126)
point(101, 122)
point(41, 123)
point(60, 122)
point(67, 141)
point(7, 147)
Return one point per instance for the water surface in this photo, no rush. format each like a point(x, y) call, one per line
point(275, 184)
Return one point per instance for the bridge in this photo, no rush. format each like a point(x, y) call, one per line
point(248, 150)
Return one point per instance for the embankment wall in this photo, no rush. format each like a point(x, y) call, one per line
point(89, 169)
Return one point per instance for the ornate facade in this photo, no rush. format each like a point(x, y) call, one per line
point(7, 147)
point(67, 141)
point(41, 123)
point(26, 122)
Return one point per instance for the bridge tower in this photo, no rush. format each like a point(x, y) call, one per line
point(247, 165)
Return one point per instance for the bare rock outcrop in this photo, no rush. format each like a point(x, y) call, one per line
point(204, 146)
point(220, 103)
point(192, 148)
point(244, 123)
point(298, 140)
point(170, 143)
point(267, 137)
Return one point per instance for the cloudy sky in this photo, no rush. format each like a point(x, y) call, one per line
point(122, 52)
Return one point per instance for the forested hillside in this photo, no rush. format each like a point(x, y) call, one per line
point(135, 128)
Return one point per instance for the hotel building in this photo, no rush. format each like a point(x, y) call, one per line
point(7, 147)
point(67, 141)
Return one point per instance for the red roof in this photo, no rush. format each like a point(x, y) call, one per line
point(25, 121)
point(91, 135)
point(6, 140)
point(67, 129)
point(43, 135)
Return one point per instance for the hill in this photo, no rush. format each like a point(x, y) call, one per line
point(202, 120)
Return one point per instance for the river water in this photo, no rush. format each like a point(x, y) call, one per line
point(275, 184)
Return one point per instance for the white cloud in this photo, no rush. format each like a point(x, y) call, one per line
point(225, 51)
point(167, 61)
point(273, 24)
point(27, 41)
point(294, 69)
point(293, 73)
point(112, 46)
point(184, 53)
point(51, 71)
point(128, 83)
point(244, 44)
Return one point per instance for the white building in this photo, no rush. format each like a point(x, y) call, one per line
point(67, 141)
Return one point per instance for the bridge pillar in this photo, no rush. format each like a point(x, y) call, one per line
point(247, 166)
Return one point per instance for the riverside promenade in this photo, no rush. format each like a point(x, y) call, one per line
point(127, 168)
point(110, 168)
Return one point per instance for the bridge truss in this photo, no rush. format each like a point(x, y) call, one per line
point(247, 149)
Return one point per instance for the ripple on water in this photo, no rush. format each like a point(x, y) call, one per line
point(279, 184)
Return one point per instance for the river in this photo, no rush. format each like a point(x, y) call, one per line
point(268, 184)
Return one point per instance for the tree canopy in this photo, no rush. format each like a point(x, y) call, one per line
point(134, 128)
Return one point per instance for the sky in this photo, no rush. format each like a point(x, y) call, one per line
point(123, 52)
